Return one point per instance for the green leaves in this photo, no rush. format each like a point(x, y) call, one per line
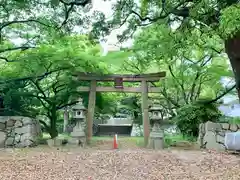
point(144, 7)
point(115, 60)
point(193, 60)
point(67, 52)
point(54, 3)
point(190, 116)
point(48, 69)
point(230, 21)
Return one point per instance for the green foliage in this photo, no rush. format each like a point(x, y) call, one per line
point(174, 139)
point(203, 13)
point(192, 60)
point(14, 103)
point(50, 51)
point(132, 106)
point(115, 60)
point(144, 7)
point(106, 103)
point(49, 70)
point(230, 120)
point(230, 22)
point(234, 120)
point(190, 116)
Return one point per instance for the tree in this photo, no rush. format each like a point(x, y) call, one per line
point(40, 28)
point(56, 62)
point(201, 14)
point(31, 22)
point(229, 28)
point(217, 18)
point(194, 64)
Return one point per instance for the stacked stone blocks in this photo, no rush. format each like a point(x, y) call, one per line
point(19, 131)
point(212, 135)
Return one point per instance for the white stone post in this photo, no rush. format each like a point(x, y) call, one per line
point(65, 119)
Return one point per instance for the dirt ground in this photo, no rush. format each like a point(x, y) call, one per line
point(43, 163)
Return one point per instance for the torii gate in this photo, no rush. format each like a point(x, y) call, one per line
point(118, 80)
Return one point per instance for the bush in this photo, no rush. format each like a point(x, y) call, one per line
point(190, 116)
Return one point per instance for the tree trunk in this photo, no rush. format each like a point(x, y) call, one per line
point(53, 122)
point(232, 46)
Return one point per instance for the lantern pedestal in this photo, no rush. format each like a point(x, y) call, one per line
point(156, 137)
point(78, 135)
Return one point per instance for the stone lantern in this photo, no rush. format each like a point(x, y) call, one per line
point(156, 138)
point(79, 115)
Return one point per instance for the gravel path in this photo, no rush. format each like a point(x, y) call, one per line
point(53, 164)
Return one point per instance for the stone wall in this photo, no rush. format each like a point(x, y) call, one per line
point(212, 135)
point(19, 131)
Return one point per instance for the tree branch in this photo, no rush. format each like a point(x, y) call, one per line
point(223, 94)
point(33, 77)
point(36, 83)
point(199, 88)
point(67, 13)
point(41, 101)
point(76, 2)
point(183, 12)
point(45, 125)
point(198, 74)
point(5, 24)
point(68, 104)
point(164, 93)
point(180, 84)
point(6, 59)
point(23, 48)
point(58, 88)
point(134, 68)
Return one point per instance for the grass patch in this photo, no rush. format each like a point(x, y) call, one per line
point(169, 139)
point(178, 140)
point(139, 141)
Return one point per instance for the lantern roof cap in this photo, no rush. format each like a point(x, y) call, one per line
point(78, 105)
